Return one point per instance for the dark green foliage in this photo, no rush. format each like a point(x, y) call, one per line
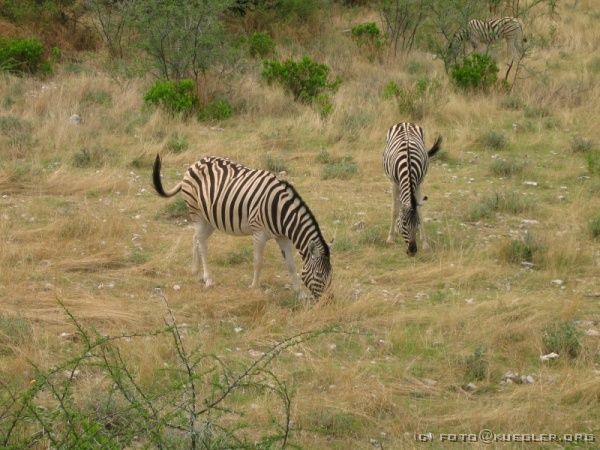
point(261, 44)
point(216, 110)
point(562, 338)
point(391, 90)
point(594, 227)
point(368, 38)
point(593, 161)
point(475, 73)
point(36, 10)
point(476, 365)
point(304, 79)
point(174, 96)
point(417, 100)
point(21, 55)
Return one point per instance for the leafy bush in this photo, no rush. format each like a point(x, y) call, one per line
point(594, 227)
point(174, 96)
point(368, 37)
point(304, 79)
point(494, 140)
point(562, 338)
point(215, 110)
point(21, 55)
point(476, 72)
point(260, 44)
point(416, 100)
point(476, 365)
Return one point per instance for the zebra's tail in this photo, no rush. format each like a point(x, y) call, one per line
point(158, 183)
point(436, 146)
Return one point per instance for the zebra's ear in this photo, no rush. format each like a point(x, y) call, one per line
point(313, 250)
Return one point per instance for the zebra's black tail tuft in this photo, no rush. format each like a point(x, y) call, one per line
point(158, 183)
point(436, 146)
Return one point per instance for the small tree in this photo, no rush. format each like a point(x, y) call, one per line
point(368, 38)
point(402, 19)
point(114, 21)
point(184, 38)
point(476, 72)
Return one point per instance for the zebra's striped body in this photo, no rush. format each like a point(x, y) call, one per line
point(486, 32)
point(405, 162)
point(227, 196)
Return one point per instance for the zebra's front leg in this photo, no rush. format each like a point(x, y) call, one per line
point(287, 250)
point(260, 240)
point(395, 212)
point(200, 251)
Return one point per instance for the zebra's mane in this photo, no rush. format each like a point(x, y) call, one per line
point(310, 215)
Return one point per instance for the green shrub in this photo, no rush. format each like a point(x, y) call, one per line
point(261, 44)
point(274, 164)
point(562, 338)
point(173, 96)
point(593, 161)
point(368, 38)
point(476, 365)
point(416, 100)
point(476, 72)
point(21, 55)
point(304, 79)
point(494, 140)
point(506, 167)
point(594, 227)
point(579, 144)
point(527, 249)
point(216, 110)
point(324, 105)
point(177, 143)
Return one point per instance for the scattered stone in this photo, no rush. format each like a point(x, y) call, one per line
point(107, 285)
point(298, 354)
point(238, 329)
point(75, 119)
point(429, 382)
point(527, 264)
point(282, 174)
point(470, 387)
point(549, 356)
point(470, 301)
point(332, 346)
point(513, 377)
point(70, 336)
point(592, 332)
point(176, 287)
point(527, 379)
point(557, 282)
point(357, 226)
point(71, 375)
point(420, 295)
point(529, 222)
point(255, 353)
point(530, 183)
point(217, 128)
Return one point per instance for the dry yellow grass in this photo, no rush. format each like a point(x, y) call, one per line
point(99, 239)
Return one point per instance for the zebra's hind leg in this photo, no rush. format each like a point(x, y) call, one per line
point(395, 211)
point(260, 240)
point(286, 249)
point(200, 251)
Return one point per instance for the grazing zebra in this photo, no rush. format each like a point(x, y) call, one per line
point(226, 196)
point(478, 32)
point(405, 162)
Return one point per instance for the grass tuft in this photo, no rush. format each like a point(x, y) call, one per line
point(506, 202)
point(562, 338)
point(506, 167)
point(493, 140)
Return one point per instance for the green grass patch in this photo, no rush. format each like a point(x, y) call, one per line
point(506, 202)
point(274, 164)
point(506, 167)
point(177, 143)
point(528, 249)
point(580, 144)
point(337, 167)
point(14, 331)
point(236, 257)
point(594, 227)
point(562, 338)
point(492, 140)
point(476, 365)
point(177, 209)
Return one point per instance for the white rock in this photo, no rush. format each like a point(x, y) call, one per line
point(71, 374)
point(282, 174)
point(470, 301)
point(176, 287)
point(429, 382)
point(530, 183)
point(298, 354)
point(557, 282)
point(255, 353)
point(238, 329)
point(332, 346)
point(529, 222)
point(470, 387)
point(592, 332)
point(549, 356)
point(75, 119)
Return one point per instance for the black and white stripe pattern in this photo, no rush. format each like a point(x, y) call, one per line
point(226, 196)
point(405, 162)
point(480, 32)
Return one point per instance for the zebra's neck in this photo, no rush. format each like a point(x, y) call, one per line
point(299, 224)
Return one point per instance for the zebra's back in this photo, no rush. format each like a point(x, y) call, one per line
point(405, 157)
point(489, 31)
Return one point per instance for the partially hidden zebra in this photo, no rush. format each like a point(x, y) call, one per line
point(405, 162)
point(227, 196)
point(479, 32)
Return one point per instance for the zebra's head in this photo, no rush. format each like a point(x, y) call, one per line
point(316, 272)
point(407, 225)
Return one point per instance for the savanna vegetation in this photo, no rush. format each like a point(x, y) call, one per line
point(108, 341)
